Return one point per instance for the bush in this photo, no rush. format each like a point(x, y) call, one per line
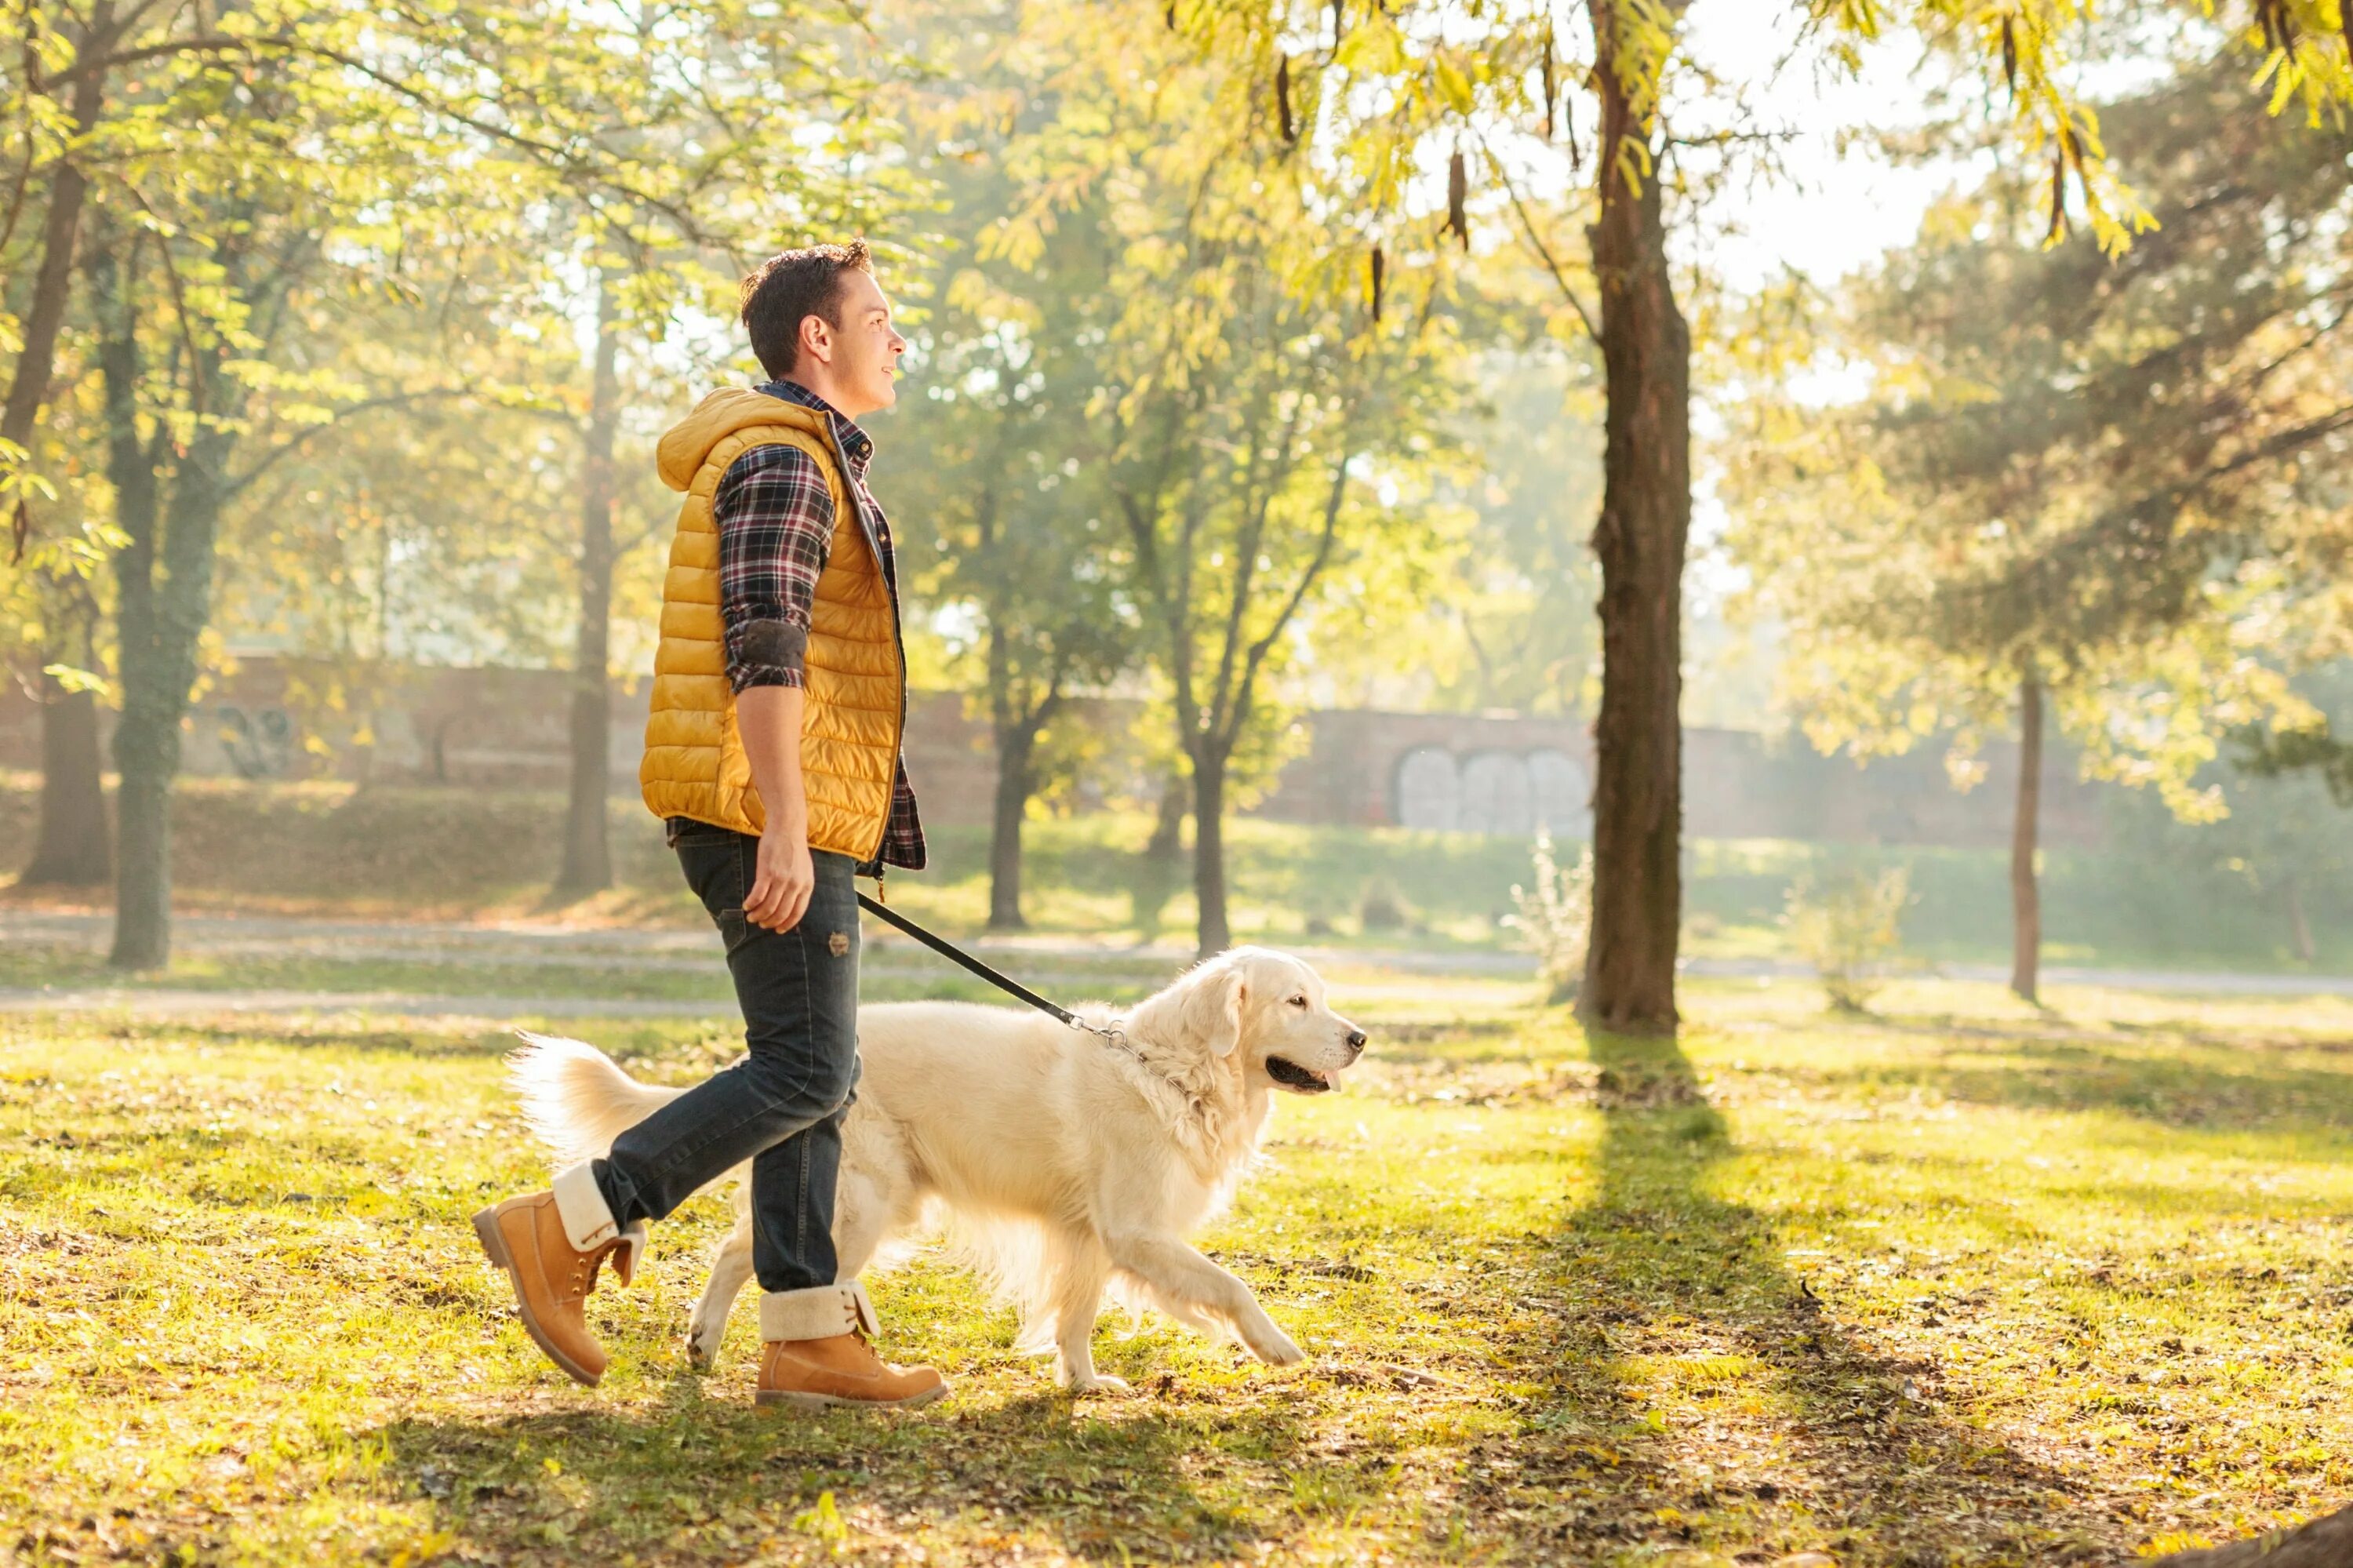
point(1556, 917)
point(1848, 923)
point(1381, 907)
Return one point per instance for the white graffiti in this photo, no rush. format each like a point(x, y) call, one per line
point(1498, 793)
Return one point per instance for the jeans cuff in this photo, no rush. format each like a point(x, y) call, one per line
point(825, 1312)
point(588, 1222)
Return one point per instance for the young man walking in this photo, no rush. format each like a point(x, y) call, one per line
point(773, 754)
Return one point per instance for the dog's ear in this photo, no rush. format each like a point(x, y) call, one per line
point(1217, 1004)
point(1204, 1005)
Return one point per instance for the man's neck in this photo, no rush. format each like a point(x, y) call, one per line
point(821, 386)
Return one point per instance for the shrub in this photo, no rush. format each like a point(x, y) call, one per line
point(1381, 907)
point(1556, 917)
point(1848, 923)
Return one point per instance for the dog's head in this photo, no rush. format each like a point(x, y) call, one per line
point(1266, 1009)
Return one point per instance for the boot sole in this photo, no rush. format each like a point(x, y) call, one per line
point(785, 1399)
point(494, 1247)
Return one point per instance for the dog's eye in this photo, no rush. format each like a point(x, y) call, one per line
point(1299, 1001)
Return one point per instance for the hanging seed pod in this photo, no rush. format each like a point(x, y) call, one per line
point(2009, 56)
point(2058, 195)
point(1458, 193)
point(1576, 158)
point(1551, 82)
point(1171, 16)
point(1282, 99)
point(1339, 21)
point(1381, 265)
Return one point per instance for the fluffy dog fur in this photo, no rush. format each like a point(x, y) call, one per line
point(1066, 1165)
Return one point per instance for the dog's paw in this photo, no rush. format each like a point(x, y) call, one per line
point(1104, 1385)
point(701, 1346)
point(1275, 1348)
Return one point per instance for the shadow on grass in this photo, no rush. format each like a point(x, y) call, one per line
point(2241, 1091)
point(1700, 1394)
point(697, 1478)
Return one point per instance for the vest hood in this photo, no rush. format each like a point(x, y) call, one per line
point(682, 452)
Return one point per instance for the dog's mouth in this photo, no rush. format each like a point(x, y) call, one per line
point(1299, 1080)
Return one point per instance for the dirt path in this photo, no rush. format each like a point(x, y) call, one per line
point(1059, 962)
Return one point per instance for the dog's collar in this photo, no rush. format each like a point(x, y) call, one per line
point(1114, 1035)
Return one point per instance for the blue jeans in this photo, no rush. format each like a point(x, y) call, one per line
point(781, 1108)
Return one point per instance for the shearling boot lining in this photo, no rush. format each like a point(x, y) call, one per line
point(630, 1252)
point(821, 1313)
point(588, 1222)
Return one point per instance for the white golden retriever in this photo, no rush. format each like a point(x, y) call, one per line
point(1069, 1164)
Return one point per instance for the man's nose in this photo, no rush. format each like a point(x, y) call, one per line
point(1356, 1043)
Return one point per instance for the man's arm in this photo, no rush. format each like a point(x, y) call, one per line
point(769, 720)
point(775, 516)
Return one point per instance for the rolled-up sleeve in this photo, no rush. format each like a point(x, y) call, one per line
point(774, 517)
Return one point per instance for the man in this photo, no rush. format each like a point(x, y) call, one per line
point(773, 754)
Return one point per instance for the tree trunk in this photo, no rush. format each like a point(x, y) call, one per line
point(1016, 745)
point(1639, 538)
point(1169, 827)
point(1209, 849)
point(2025, 898)
point(164, 573)
point(2299, 924)
point(2326, 1543)
point(73, 847)
point(52, 283)
point(155, 689)
point(587, 851)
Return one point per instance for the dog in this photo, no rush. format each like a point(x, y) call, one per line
point(1067, 1163)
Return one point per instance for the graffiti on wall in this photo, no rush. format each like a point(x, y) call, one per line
point(1501, 793)
point(258, 742)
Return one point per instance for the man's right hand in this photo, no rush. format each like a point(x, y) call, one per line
point(780, 891)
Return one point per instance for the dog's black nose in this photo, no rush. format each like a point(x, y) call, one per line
point(1357, 1042)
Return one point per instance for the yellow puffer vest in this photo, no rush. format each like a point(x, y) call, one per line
point(854, 674)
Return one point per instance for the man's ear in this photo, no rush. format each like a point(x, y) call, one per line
point(817, 337)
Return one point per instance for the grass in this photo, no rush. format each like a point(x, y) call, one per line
point(1959, 1282)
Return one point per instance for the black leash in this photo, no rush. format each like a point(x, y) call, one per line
point(996, 977)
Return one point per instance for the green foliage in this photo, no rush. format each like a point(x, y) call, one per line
point(1848, 922)
point(2113, 479)
point(1556, 917)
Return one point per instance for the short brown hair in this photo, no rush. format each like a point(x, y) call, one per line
point(790, 287)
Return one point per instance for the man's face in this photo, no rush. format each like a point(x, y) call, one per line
point(860, 361)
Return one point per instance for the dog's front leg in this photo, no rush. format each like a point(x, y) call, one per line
point(729, 1271)
point(1078, 1298)
point(1194, 1285)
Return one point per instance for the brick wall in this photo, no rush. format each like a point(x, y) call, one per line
point(1478, 772)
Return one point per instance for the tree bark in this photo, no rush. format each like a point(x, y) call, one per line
point(2025, 896)
point(61, 228)
point(1210, 849)
point(1015, 746)
point(1639, 538)
point(587, 850)
point(156, 688)
point(73, 847)
point(165, 574)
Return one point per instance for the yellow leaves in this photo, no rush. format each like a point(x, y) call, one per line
point(1018, 237)
point(1453, 83)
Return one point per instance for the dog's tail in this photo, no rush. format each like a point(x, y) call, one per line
point(576, 1097)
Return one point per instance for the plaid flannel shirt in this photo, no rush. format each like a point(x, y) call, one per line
point(774, 517)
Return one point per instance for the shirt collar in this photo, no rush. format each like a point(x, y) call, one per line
point(855, 444)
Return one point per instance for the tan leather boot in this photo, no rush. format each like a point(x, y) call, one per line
point(819, 1353)
point(552, 1277)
